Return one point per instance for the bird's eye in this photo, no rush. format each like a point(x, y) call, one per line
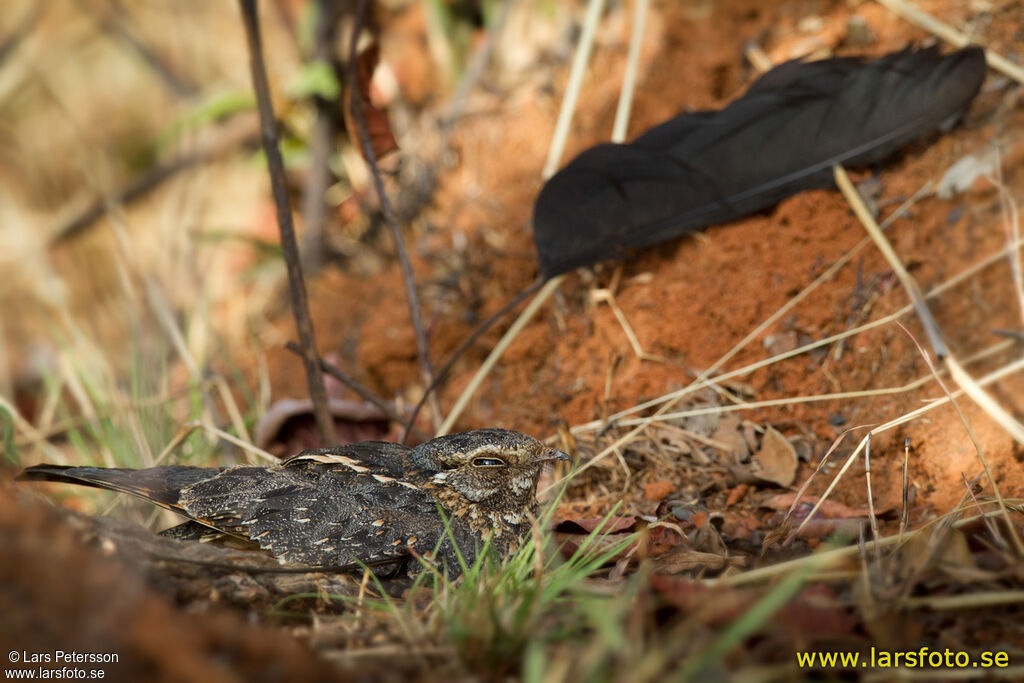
point(488, 462)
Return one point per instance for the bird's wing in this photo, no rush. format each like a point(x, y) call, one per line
point(370, 457)
point(311, 512)
point(783, 136)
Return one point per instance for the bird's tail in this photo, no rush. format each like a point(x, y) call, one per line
point(160, 485)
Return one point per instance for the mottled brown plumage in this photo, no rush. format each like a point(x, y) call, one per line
point(370, 502)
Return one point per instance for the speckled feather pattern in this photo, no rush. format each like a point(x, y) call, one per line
point(367, 502)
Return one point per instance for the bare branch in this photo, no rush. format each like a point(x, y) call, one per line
point(356, 105)
point(275, 164)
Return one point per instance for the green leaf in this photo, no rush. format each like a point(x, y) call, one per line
point(214, 108)
point(316, 78)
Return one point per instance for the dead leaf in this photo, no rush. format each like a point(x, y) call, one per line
point(662, 539)
point(616, 525)
point(378, 127)
point(736, 494)
point(777, 459)
point(570, 543)
point(730, 434)
point(288, 425)
point(658, 490)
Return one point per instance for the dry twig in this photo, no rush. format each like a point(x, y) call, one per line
point(289, 246)
point(364, 393)
point(356, 106)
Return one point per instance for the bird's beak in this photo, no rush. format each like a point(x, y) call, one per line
point(553, 454)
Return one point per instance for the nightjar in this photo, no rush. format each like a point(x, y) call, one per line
point(373, 502)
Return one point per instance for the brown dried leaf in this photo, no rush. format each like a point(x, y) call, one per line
point(730, 434)
point(288, 425)
point(777, 459)
point(658, 490)
point(662, 539)
point(378, 127)
point(616, 525)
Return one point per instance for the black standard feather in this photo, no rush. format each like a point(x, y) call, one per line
point(781, 137)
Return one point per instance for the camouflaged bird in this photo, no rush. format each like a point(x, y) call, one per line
point(370, 502)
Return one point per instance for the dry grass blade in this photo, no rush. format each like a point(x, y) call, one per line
point(826, 276)
point(572, 90)
point(32, 436)
point(231, 406)
point(758, 58)
point(905, 491)
point(640, 424)
point(861, 210)
point(24, 27)
point(970, 433)
point(115, 22)
point(165, 316)
point(475, 68)
point(1002, 372)
point(220, 433)
point(703, 380)
point(442, 374)
point(1011, 219)
point(183, 433)
point(834, 557)
point(919, 17)
point(794, 400)
point(969, 491)
point(821, 464)
point(984, 401)
point(673, 396)
point(555, 151)
point(959, 375)
point(968, 601)
point(864, 576)
point(871, 501)
point(150, 181)
point(622, 113)
point(629, 79)
point(546, 291)
point(606, 296)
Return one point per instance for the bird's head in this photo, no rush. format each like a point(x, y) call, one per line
point(492, 470)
